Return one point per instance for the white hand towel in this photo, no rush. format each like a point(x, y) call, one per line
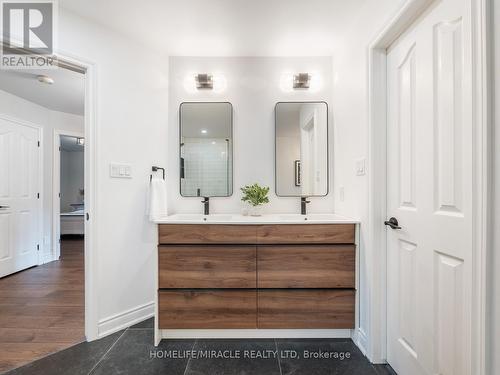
point(157, 198)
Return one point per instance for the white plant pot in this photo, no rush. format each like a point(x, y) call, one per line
point(255, 210)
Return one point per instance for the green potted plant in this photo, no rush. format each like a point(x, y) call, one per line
point(255, 195)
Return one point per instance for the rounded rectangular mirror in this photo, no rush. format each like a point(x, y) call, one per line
point(301, 151)
point(206, 149)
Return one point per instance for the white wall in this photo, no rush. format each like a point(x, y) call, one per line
point(350, 95)
point(132, 107)
point(72, 163)
point(48, 120)
point(253, 86)
point(351, 132)
point(493, 328)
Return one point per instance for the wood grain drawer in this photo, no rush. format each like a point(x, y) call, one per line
point(307, 309)
point(306, 266)
point(206, 234)
point(207, 266)
point(306, 234)
point(207, 309)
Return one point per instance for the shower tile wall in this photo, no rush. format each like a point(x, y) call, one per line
point(206, 167)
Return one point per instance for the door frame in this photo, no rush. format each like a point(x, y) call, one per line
point(376, 251)
point(91, 134)
point(89, 68)
point(40, 150)
point(56, 189)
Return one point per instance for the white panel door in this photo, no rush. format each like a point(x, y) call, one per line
point(429, 183)
point(19, 204)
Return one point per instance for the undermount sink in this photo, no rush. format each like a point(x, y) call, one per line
point(264, 219)
point(308, 217)
point(200, 217)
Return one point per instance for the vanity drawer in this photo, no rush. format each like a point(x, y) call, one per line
point(207, 266)
point(208, 309)
point(306, 266)
point(206, 234)
point(306, 234)
point(308, 309)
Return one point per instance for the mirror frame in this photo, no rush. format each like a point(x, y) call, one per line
point(232, 153)
point(327, 147)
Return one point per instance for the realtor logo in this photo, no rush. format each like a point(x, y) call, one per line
point(28, 34)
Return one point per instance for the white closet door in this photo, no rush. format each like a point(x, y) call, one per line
point(19, 208)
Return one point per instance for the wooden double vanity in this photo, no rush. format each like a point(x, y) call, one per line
point(268, 276)
point(256, 276)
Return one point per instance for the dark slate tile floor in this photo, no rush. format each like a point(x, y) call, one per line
point(132, 352)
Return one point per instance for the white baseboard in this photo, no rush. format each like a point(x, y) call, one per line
point(48, 257)
point(361, 341)
point(125, 319)
point(253, 333)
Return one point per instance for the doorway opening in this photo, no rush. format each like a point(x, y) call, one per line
point(69, 191)
point(42, 262)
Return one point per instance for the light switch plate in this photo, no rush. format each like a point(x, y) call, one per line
point(120, 170)
point(360, 167)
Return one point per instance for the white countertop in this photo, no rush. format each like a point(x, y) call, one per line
point(249, 220)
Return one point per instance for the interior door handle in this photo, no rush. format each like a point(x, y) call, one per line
point(4, 207)
point(393, 223)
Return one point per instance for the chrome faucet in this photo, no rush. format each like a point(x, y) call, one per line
point(303, 205)
point(206, 205)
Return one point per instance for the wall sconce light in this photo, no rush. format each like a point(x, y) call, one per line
point(204, 81)
point(80, 141)
point(301, 81)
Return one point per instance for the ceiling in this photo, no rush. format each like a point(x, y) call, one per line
point(66, 94)
point(234, 27)
point(206, 28)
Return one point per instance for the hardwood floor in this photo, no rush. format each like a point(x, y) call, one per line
point(42, 308)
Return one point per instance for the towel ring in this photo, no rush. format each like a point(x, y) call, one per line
point(155, 169)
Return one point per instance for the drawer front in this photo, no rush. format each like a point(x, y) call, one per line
point(210, 309)
point(207, 266)
point(206, 234)
point(306, 266)
point(306, 234)
point(306, 309)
